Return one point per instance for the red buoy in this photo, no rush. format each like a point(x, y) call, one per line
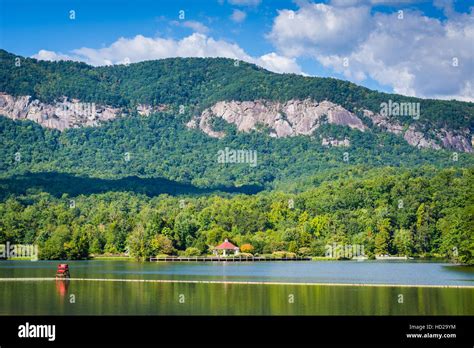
point(63, 271)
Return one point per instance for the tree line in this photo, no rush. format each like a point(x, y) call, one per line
point(388, 211)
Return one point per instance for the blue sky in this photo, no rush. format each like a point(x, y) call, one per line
point(357, 40)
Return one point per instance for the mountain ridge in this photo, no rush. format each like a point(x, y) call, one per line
point(35, 90)
point(202, 77)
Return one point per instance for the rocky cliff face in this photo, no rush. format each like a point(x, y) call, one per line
point(461, 140)
point(295, 117)
point(66, 113)
point(292, 118)
point(61, 115)
point(303, 117)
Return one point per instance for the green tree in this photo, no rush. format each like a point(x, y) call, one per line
point(191, 251)
point(138, 243)
point(403, 241)
point(54, 247)
point(161, 244)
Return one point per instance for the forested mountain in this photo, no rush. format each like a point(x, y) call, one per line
point(128, 176)
point(161, 146)
point(199, 83)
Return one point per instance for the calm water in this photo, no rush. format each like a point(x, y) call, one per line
point(51, 297)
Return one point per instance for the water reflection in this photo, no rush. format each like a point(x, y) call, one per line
point(119, 298)
point(63, 296)
point(62, 286)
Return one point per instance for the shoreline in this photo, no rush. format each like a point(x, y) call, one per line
point(191, 259)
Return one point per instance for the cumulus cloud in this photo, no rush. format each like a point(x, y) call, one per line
point(414, 54)
point(140, 48)
point(52, 56)
point(279, 64)
point(196, 26)
point(238, 16)
point(320, 27)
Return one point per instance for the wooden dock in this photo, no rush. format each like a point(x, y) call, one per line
point(224, 259)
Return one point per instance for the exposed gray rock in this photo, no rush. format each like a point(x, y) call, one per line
point(292, 118)
point(459, 140)
point(303, 117)
point(61, 115)
point(384, 122)
point(462, 141)
point(415, 138)
point(65, 113)
point(295, 117)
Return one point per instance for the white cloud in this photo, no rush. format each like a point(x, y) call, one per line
point(279, 64)
point(196, 26)
point(245, 2)
point(238, 16)
point(316, 27)
point(414, 55)
point(52, 56)
point(346, 3)
point(142, 48)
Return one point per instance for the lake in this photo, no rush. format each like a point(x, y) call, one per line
point(340, 295)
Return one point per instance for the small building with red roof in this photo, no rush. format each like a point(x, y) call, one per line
point(227, 248)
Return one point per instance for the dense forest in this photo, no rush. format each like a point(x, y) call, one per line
point(426, 212)
point(161, 146)
point(148, 186)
